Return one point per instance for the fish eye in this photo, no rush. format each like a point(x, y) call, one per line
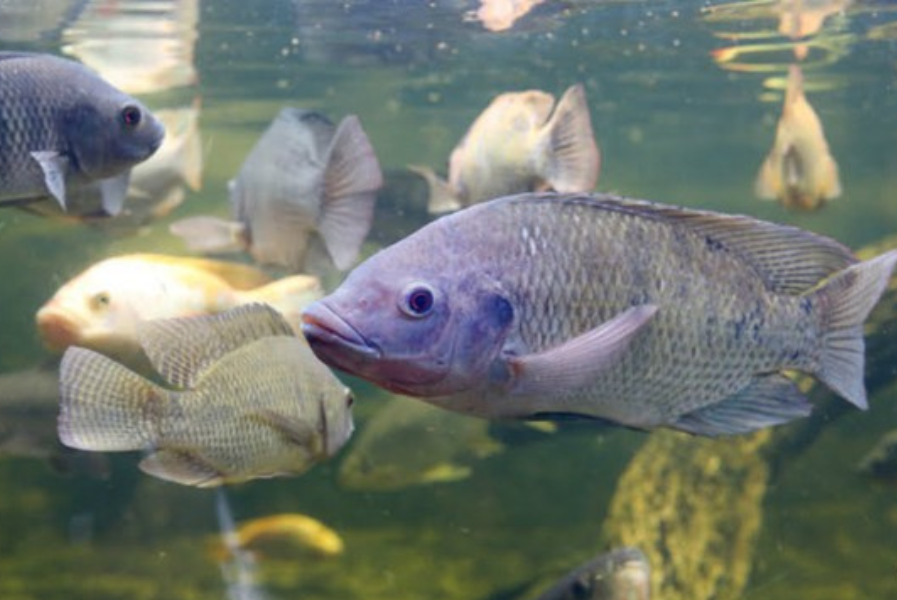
point(131, 116)
point(350, 400)
point(417, 300)
point(100, 300)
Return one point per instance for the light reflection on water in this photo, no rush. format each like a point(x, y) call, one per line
point(672, 125)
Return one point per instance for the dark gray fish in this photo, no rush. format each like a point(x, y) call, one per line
point(622, 574)
point(247, 399)
point(64, 128)
point(646, 315)
point(306, 191)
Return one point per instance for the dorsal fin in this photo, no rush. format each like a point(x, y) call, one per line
point(236, 275)
point(182, 350)
point(788, 259)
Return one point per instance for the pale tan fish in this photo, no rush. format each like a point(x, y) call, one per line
point(500, 15)
point(282, 536)
point(803, 18)
point(799, 170)
point(102, 307)
point(518, 144)
point(243, 398)
point(303, 199)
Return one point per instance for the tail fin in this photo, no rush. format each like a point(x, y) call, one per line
point(442, 196)
point(104, 406)
point(210, 234)
point(846, 299)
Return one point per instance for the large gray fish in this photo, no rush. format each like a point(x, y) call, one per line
point(646, 315)
point(622, 574)
point(304, 182)
point(64, 128)
point(247, 399)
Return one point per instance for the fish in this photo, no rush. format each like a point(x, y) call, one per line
point(799, 171)
point(547, 306)
point(244, 399)
point(304, 195)
point(803, 18)
point(408, 443)
point(65, 128)
point(283, 535)
point(622, 574)
point(522, 142)
point(881, 461)
point(36, 20)
point(102, 307)
point(157, 185)
point(500, 15)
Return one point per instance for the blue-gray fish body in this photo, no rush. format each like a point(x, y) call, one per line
point(64, 128)
point(539, 306)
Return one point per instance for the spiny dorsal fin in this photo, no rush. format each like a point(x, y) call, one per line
point(788, 259)
point(182, 350)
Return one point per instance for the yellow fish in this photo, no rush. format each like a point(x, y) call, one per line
point(101, 308)
point(283, 535)
point(799, 170)
point(522, 142)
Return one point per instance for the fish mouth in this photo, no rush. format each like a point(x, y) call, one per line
point(335, 341)
point(56, 329)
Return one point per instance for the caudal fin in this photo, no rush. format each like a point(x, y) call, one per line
point(104, 406)
point(846, 300)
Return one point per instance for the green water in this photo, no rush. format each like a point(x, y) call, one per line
point(672, 125)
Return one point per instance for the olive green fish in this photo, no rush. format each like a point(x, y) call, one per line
point(247, 399)
point(592, 306)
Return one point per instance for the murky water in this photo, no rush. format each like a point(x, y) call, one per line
point(673, 124)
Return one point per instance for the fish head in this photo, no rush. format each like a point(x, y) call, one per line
point(412, 320)
point(90, 311)
point(110, 133)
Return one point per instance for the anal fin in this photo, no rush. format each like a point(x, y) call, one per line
point(768, 400)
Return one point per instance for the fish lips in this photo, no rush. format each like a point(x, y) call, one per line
point(335, 341)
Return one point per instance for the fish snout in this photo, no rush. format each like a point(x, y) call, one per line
point(56, 329)
point(334, 340)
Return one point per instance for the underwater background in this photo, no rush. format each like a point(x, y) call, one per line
point(781, 514)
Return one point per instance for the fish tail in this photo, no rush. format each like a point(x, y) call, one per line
point(288, 296)
point(572, 160)
point(442, 197)
point(105, 406)
point(846, 300)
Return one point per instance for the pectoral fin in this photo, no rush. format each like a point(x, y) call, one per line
point(55, 166)
point(577, 362)
point(113, 191)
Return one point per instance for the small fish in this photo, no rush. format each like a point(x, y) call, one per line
point(247, 399)
point(799, 169)
point(519, 145)
point(623, 574)
point(881, 460)
point(36, 20)
point(303, 184)
point(802, 18)
point(542, 306)
point(408, 443)
point(65, 128)
point(283, 536)
point(102, 307)
point(500, 15)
